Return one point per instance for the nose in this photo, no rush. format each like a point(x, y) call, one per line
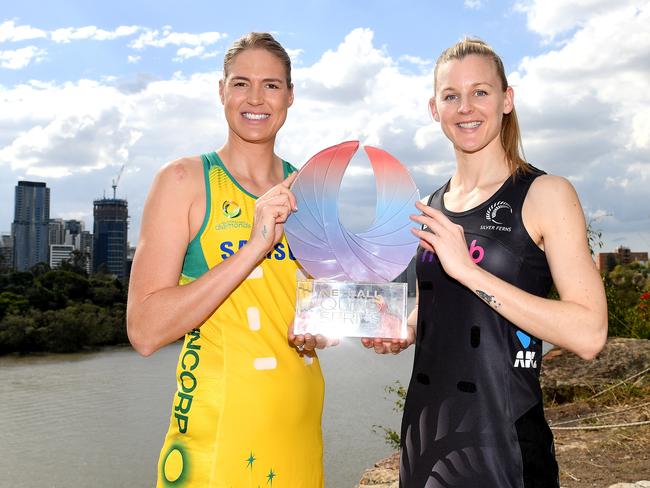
point(465, 105)
point(255, 95)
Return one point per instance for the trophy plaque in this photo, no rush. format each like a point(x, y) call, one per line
point(352, 293)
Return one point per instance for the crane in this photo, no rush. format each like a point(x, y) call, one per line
point(117, 180)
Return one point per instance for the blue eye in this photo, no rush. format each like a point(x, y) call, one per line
point(450, 98)
point(481, 93)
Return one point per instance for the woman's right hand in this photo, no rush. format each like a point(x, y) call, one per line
point(271, 211)
point(393, 346)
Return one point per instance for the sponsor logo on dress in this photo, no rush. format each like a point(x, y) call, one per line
point(496, 218)
point(230, 209)
point(525, 359)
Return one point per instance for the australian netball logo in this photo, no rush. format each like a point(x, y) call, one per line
point(497, 213)
point(230, 209)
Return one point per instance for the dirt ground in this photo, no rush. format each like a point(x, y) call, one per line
point(606, 456)
point(605, 395)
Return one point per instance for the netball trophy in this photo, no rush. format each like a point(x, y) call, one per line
point(352, 293)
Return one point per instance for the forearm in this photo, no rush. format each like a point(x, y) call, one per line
point(565, 323)
point(161, 317)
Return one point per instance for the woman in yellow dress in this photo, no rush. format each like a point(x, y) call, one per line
point(212, 264)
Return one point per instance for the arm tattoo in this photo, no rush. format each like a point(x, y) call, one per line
point(264, 231)
point(489, 299)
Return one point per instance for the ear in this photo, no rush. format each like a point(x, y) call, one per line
point(509, 100)
point(290, 95)
point(221, 86)
point(434, 109)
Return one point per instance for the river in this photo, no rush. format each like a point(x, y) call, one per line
point(98, 419)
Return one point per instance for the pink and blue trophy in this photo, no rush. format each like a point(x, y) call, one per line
point(352, 293)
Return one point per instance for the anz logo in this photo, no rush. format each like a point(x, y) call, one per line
point(525, 359)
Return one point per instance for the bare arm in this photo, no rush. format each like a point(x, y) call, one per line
point(159, 311)
point(578, 321)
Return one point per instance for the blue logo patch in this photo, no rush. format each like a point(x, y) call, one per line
point(523, 338)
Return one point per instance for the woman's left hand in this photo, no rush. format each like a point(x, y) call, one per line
point(309, 342)
point(446, 239)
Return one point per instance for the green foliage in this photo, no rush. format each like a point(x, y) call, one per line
point(627, 288)
point(61, 310)
point(397, 394)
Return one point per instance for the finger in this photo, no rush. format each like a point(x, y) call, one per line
point(288, 181)
point(426, 239)
point(321, 341)
point(429, 223)
point(367, 342)
point(310, 342)
point(430, 211)
point(279, 199)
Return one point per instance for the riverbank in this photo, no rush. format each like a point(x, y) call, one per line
point(600, 415)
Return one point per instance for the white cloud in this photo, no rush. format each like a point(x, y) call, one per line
point(552, 18)
point(154, 38)
point(581, 105)
point(133, 59)
point(68, 34)
point(294, 55)
point(11, 32)
point(20, 58)
point(473, 4)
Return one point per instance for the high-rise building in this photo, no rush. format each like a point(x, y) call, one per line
point(6, 251)
point(86, 248)
point(73, 229)
point(30, 226)
point(60, 253)
point(110, 236)
point(56, 231)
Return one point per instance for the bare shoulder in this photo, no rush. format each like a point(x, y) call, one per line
point(181, 171)
point(551, 195)
point(546, 186)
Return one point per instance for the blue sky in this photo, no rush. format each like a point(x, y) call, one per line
point(86, 87)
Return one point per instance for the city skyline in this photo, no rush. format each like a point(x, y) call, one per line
point(87, 90)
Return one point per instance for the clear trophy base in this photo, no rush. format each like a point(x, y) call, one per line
point(347, 309)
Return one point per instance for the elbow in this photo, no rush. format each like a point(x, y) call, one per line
point(595, 341)
point(143, 345)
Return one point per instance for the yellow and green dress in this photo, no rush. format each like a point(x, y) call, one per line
point(247, 410)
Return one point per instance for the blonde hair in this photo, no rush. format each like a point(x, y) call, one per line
point(257, 40)
point(510, 134)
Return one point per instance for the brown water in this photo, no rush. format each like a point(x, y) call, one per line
point(98, 419)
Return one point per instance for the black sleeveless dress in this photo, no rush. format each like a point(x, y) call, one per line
point(473, 415)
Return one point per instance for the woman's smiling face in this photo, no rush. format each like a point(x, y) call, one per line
point(470, 102)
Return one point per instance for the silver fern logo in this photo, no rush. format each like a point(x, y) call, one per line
point(491, 214)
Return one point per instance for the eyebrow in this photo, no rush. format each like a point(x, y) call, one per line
point(474, 85)
point(265, 80)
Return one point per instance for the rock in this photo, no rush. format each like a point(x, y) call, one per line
point(565, 377)
point(384, 474)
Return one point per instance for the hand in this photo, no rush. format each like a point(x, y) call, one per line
point(394, 346)
point(446, 239)
point(271, 211)
point(309, 342)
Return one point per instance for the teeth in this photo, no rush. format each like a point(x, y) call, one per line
point(250, 116)
point(469, 125)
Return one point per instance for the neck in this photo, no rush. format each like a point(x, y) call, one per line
point(482, 168)
point(253, 161)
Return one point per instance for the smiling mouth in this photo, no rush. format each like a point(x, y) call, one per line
point(252, 116)
point(469, 125)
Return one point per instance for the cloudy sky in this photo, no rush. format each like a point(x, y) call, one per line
point(89, 87)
